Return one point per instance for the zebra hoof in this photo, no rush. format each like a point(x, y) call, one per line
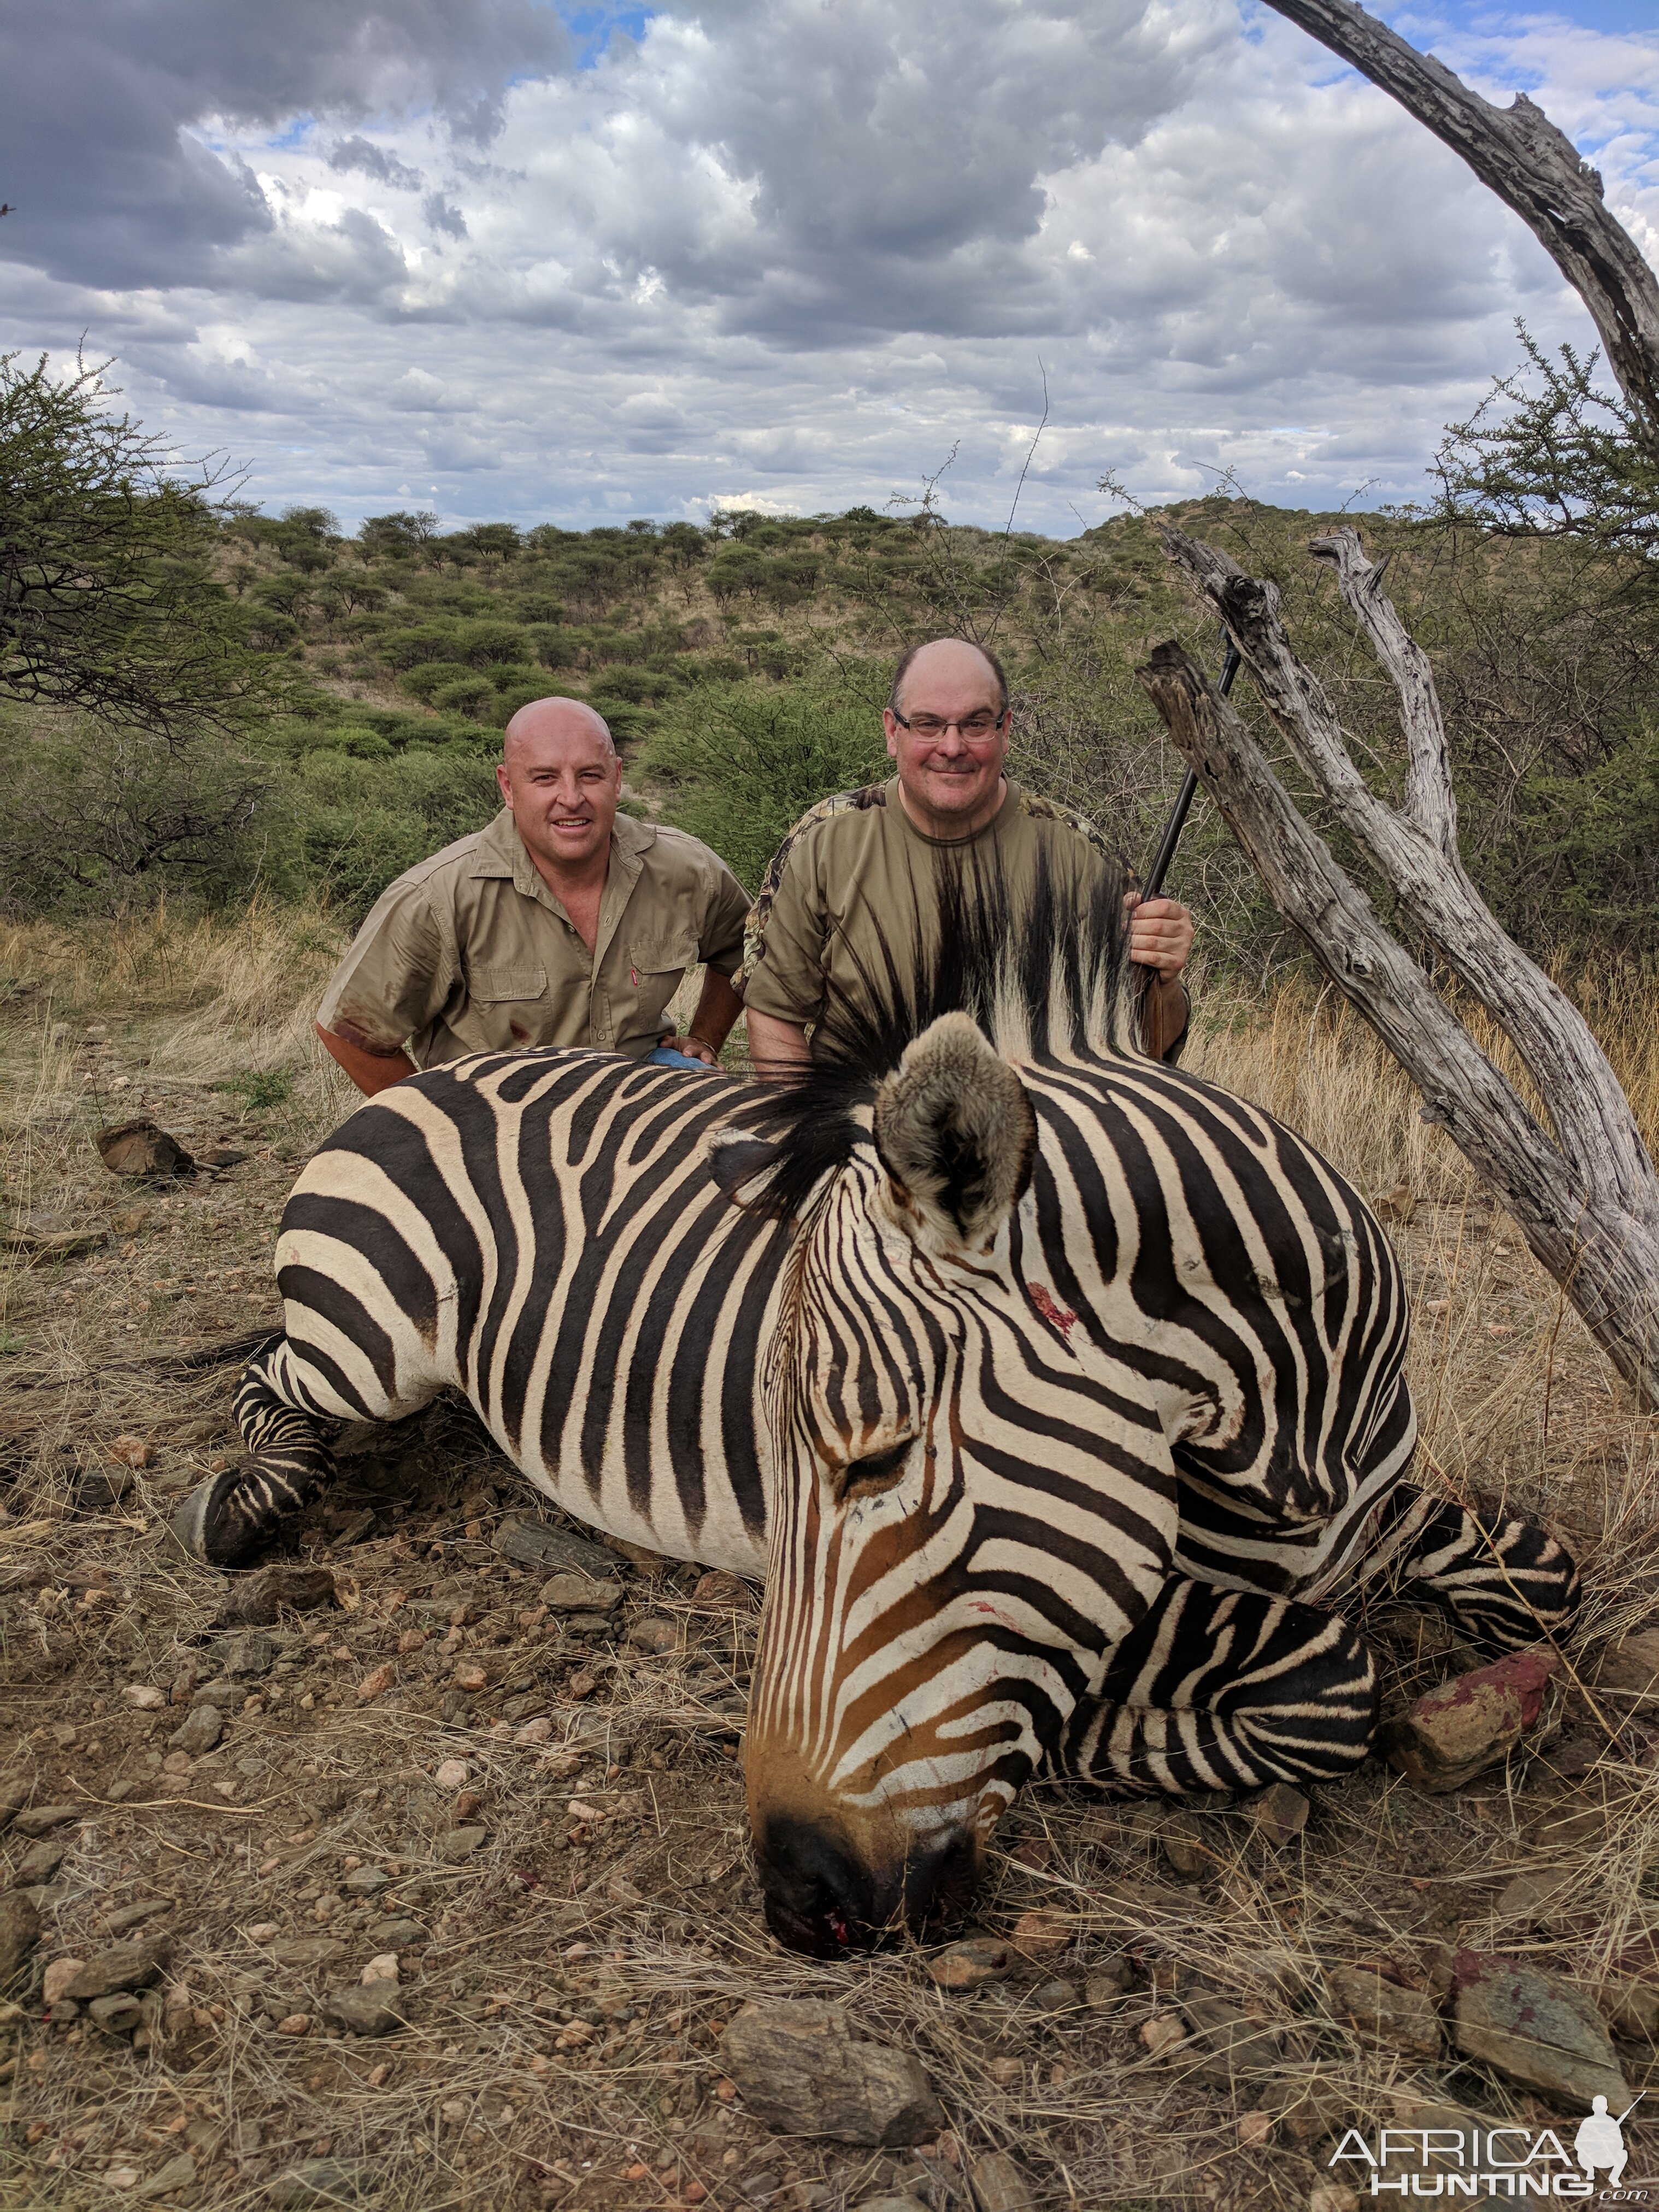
point(204, 1531)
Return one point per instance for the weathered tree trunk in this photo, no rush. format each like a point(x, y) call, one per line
point(1584, 1193)
point(1535, 169)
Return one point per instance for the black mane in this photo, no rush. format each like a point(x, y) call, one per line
point(1040, 975)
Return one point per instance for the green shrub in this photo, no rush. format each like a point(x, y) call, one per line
point(745, 766)
point(483, 642)
point(358, 824)
point(429, 678)
point(423, 641)
point(467, 695)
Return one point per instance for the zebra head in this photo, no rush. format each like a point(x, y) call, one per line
point(972, 1505)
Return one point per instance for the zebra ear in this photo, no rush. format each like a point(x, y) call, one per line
point(957, 1131)
point(741, 1164)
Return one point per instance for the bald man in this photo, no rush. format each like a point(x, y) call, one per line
point(837, 899)
point(565, 922)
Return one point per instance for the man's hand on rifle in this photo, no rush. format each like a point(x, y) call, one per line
point(1160, 933)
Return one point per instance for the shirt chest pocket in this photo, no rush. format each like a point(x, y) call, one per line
point(659, 956)
point(497, 986)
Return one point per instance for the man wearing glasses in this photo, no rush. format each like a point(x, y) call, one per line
point(840, 893)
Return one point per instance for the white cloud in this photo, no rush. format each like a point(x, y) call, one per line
point(805, 245)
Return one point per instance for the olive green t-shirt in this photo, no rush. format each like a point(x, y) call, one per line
point(470, 951)
point(843, 890)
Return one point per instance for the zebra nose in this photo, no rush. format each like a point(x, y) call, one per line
point(825, 1898)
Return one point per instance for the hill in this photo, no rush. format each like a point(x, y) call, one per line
point(743, 666)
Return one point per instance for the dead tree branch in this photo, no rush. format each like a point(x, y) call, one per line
point(1533, 168)
point(1584, 1194)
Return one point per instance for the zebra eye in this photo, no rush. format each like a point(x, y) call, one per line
point(877, 1471)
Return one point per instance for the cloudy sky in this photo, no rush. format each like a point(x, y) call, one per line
point(510, 260)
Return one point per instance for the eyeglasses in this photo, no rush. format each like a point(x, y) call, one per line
point(973, 729)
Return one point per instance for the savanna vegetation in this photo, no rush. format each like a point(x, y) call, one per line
point(200, 700)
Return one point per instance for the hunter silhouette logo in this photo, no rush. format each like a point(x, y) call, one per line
point(1481, 2161)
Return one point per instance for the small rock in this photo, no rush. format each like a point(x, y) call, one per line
point(398, 1935)
point(371, 2009)
point(376, 1683)
point(972, 1963)
point(654, 1634)
point(1185, 1853)
point(1533, 1897)
point(263, 1931)
point(102, 1493)
point(532, 1732)
point(471, 1678)
point(59, 1976)
point(1225, 2045)
point(1534, 2029)
point(534, 1544)
point(202, 1730)
point(41, 1819)
point(223, 1156)
point(366, 1881)
point(307, 1950)
point(1406, 2019)
point(1255, 2129)
point(128, 1916)
point(123, 1966)
point(575, 1593)
point(1040, 1931)
point(1055, 1997)
point(1279, 1815)
point(143, 1697)
point(1109, 1980)
point(1467, 1724)
point(1310, 2105)
point(20, 1931)
point(40, 1863)
point(139, 1147)
point(889, 2204)
point(580, 1686)
point(1632, 1666)
point(1000, 2186)
point(1630, 2008)
point(461, 1843)
point(1006, 2072)
point(1162, 2033)
point(257, 1601)
point(132, 1452)
point(1332, 2197)
point(177, 2175)
point(452, 1774)
point(382, 1968)
point(118, 2014)
point(723, 1592)
point(294, 2023)
point(800, 2072)
point(317, 2182)
point(247, 1656)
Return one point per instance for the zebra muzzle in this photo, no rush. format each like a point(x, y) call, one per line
point(825, 1897)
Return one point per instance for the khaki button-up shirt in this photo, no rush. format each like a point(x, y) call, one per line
point(470, 951)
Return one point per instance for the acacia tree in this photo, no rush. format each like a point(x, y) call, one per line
point(1578, 1181)
point(107, 605)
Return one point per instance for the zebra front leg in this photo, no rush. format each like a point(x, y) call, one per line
point(1225, 1690)
point(1504, 1580)
point(230, 1518)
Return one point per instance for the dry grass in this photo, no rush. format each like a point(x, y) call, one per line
point(652, 1913)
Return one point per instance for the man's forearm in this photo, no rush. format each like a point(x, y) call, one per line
point(777, 1047)
point(369, 1071)
point(718, 1007)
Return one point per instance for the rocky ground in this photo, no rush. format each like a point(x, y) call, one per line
point(413, 1871)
